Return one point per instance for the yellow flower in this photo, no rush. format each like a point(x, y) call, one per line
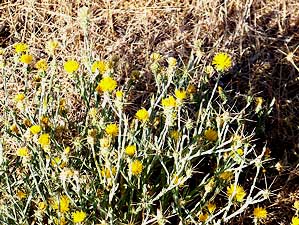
point(142, 115)
point(180, 94)
point(42, 206)
point(105, 142)
point(19, 97)
point(112, 129)
point(174, 134)
point(169, 102)
point(211, 207)
point(44, 140)
point(203, 217)
point(295, 220)
point(27, 122)
point(105, 172)
point(191, 89)
point(226, 175)
point(62, 205)
point(2, 51)
point(136, 167)
point(35, 129)
point(171, 62)
point(155, 56)
point(22, 152)
point(21, 195)
point(79, 216)
point(107, 84)
point(238, 192)
point(259, 213)
point(21, 47)
point(296, 205)
point(41, 65)
point(51, 46)
point(222, 61)
point(211, 135)
point(60, 221)
point(130, 150)
point(26, 59)
point(71, 66)
point(14, 128)
point(119, 95)
point(101, 66)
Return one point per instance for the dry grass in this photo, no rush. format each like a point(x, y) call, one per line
point(255, 32)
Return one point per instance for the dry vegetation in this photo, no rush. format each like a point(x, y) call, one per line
point(261, 36)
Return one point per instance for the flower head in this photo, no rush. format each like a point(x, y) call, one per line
point(107, 84)
point(19, 97)
point(259, 213)
point(155, 56)
point(136, 167)
point(35, 129)
point(295, 220)
point(211, 207)
point(78, 216)
point(44, 140)
point(222, 61)
point(71, 66)
point(130, 150)
point(172, 61)
point(237, 192)
point(41, 65)
point(119, 95)
point(169, 102)
point(180, 94)
point(211, 135)
point(62, 205)
point(175, 135)
point(105, 172)
point(21, 195)
point(26, 59)
point(101, 66)
point(112, 129)
point(22, 152)
point(142, 115)
point(21, 47)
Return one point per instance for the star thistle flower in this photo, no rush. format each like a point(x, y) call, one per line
point(22, 152)
point(35, 129)
point(222, 62)
point(41, 65)
point(295, 220)
point(71, 66)
point(62, 205)
point(107, 84)
point(78, 216)
point(44, 140)
point(136, 167)
point(211, 135)
point(238, 192)
point(142, 115)
point(21, 47)
point(112, 129)
point(180, 94)
point(19, 97)
point(169, 102)
point(101, 66)
point(130, 150)
point(259, 213)
point(26, 59)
